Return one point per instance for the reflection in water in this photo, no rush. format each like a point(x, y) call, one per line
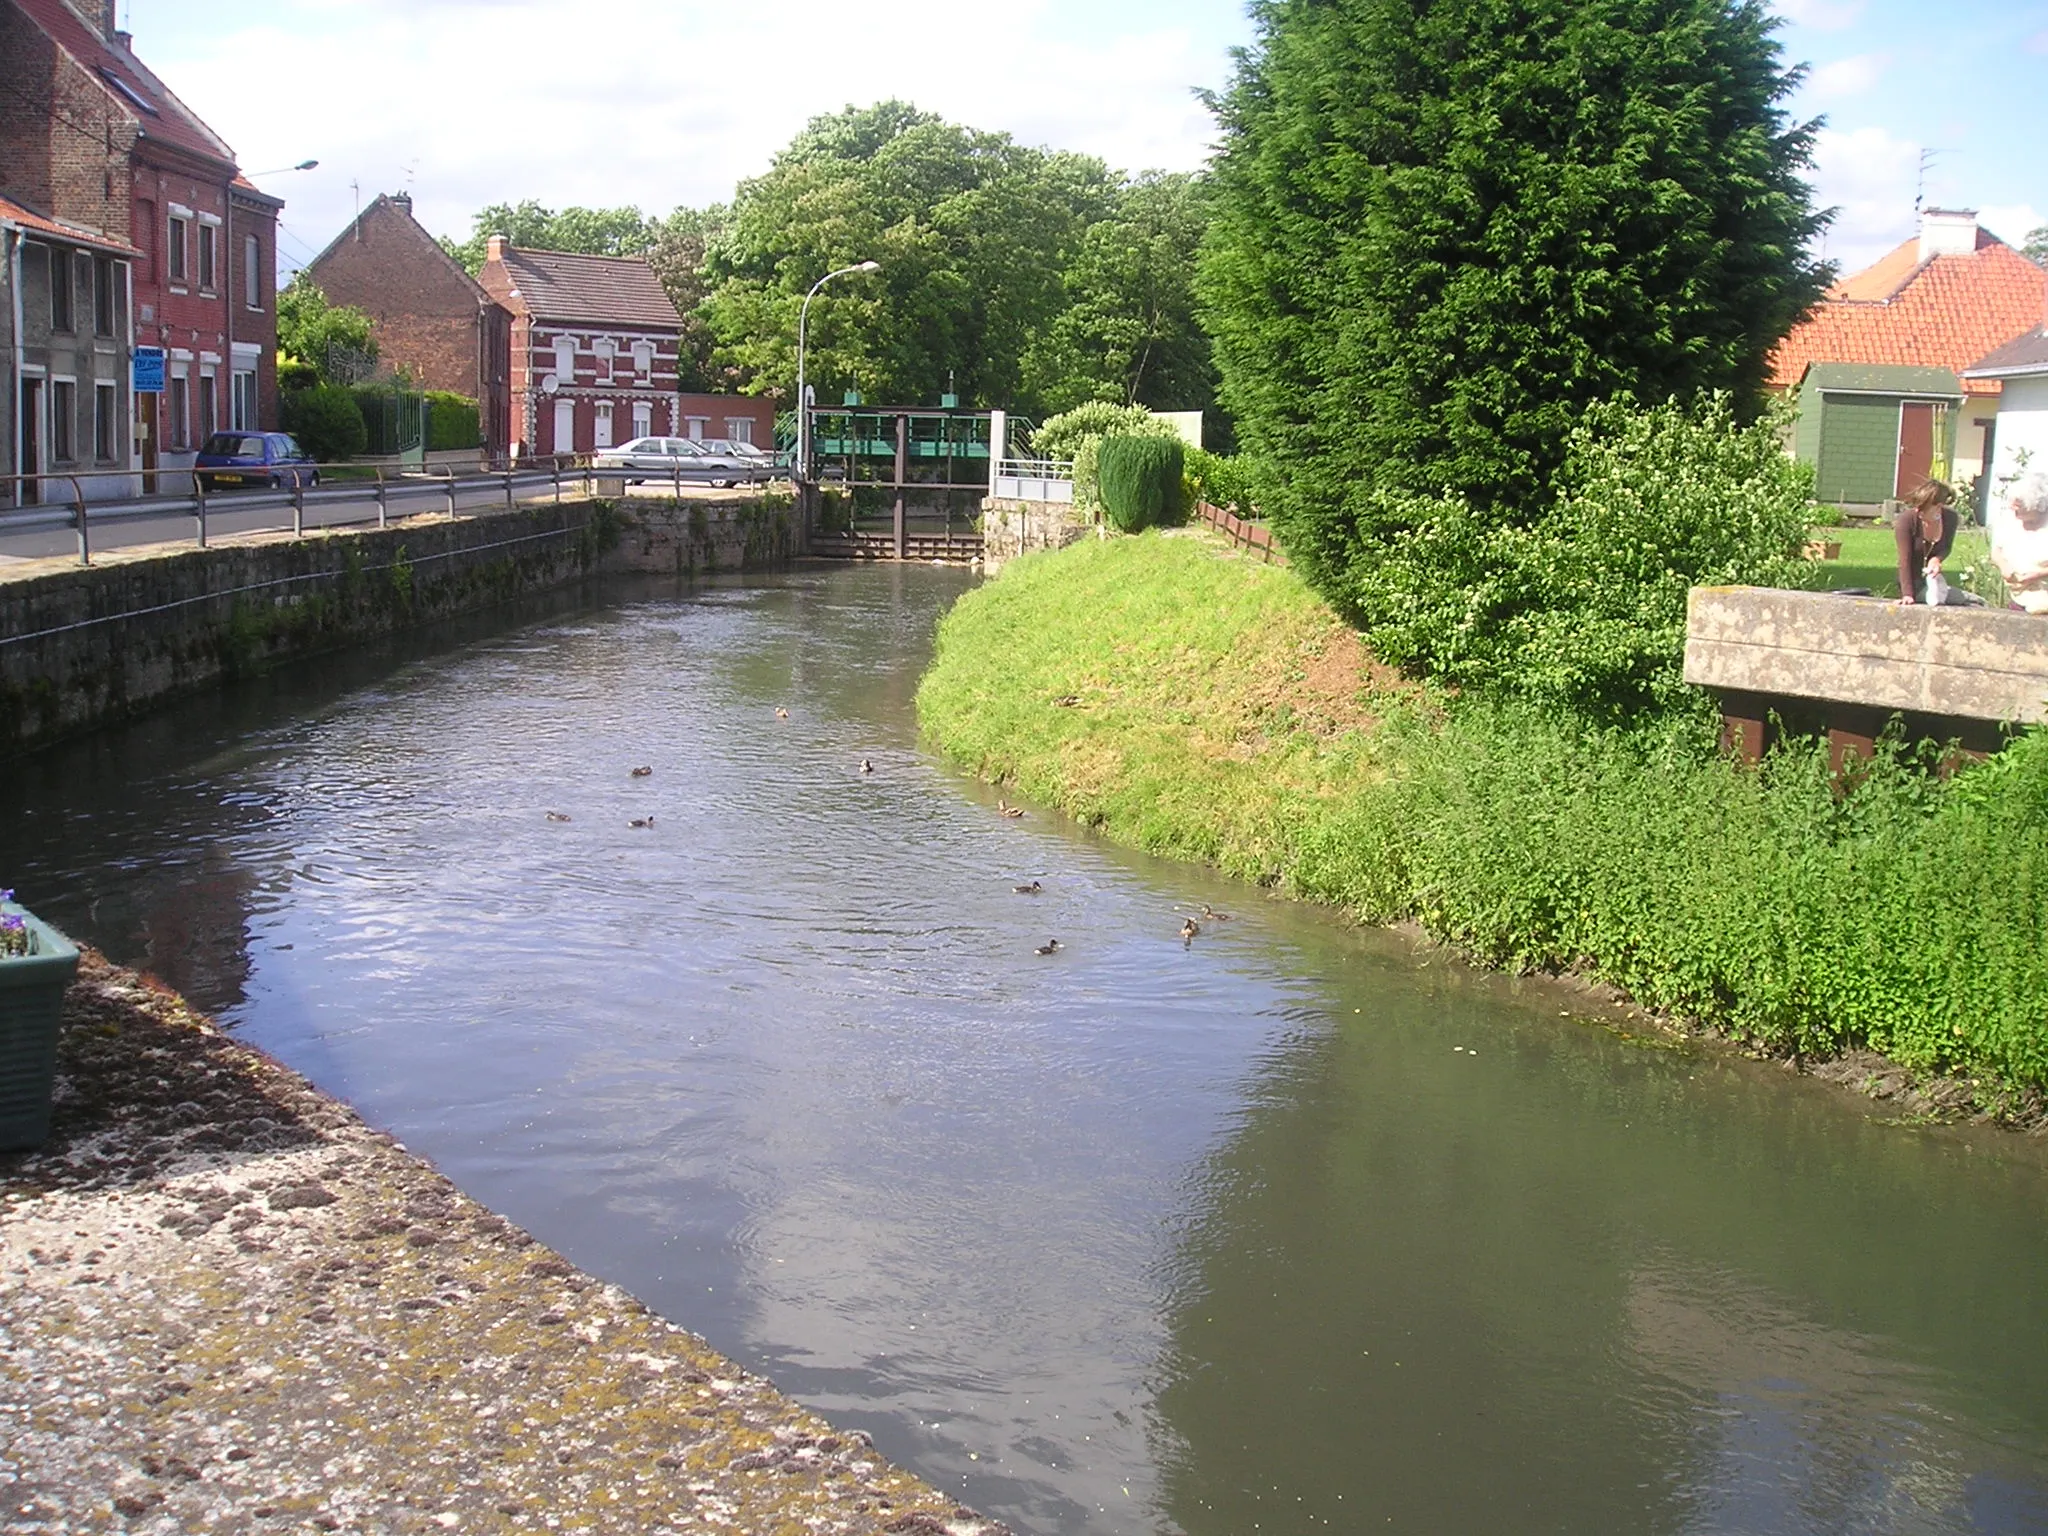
point(1287, 1230)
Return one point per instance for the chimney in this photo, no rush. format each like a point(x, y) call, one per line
point(1948, 232)
point(494, 248)
point(112, 24)
point(403, 200)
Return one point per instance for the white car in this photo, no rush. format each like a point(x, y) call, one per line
point(672, 458)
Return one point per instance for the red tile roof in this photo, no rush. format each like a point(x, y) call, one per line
point(12, 212)
point(1945, 312)
point(137, 93)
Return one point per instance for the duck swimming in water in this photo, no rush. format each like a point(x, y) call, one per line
point(1188, 930)
point(1028, 890)
point(866, 766)
point(558, 815)
point(781, 713)
point(1004, 808)
point(1213, 915)
point(1049, 947)
point(643, 821)
point(641, 773)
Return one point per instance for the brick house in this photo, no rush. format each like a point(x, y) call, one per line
point(428, 315)
point(595, 343)
point(90, 137)
point(1939, 302)
point(66, 346)
point(741, 418)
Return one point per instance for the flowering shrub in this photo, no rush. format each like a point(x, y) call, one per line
point(13, 930)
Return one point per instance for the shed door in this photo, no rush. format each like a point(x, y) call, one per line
point(1916, 446)
point(565, 427)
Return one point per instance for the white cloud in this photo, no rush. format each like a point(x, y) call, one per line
point(1844, 78)
point(2012, 222)
point(483, 101)
point(1867, 175)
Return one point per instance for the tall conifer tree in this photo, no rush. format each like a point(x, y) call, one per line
point(1444, 226)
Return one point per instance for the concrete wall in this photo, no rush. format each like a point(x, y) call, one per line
point(82, 647)
point(2022, 432)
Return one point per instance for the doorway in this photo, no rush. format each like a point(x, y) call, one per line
point(1917, 420)
point(30, 491)
point(565, 427)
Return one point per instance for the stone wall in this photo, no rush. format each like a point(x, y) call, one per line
point(701, 535)
point(1010, 528)
point(82, 646)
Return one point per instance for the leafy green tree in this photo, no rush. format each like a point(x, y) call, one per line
point(1442, 228)
point(585, 231)
point(2036, 247)
point(677, 256)
point(972, 230)
point(308, 326)
point(1128, 333)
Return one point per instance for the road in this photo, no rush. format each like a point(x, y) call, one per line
point(40, 533)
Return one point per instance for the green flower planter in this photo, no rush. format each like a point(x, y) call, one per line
point(31, 1007)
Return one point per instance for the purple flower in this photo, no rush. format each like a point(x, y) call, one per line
point(11, 923)
point(6, 895)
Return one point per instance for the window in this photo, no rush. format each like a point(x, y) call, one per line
point(209, 235)
point(643, 358)
point(63, 421)
point(604, 425)
point(106, 424)
point(739, 429)
point(242, 399)
point(178, 430)
point(60, 291)
point(252, 272)
point(207, 403)
point(643, 417)
point(697, 426)
point(565, 358)
point(103, 275)
point(604, 347)
point(174, 243)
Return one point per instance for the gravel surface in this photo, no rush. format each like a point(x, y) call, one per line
point(227, 1304)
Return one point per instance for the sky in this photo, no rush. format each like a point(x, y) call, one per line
point(664, 102)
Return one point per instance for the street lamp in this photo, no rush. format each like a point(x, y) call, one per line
point(803, 404)
point(303, 165)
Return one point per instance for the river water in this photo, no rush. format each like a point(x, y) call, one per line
point(1294, 1228)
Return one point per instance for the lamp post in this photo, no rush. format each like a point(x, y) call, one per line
point(303, 165)
point(803, 404)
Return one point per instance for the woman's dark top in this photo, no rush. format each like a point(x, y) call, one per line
point(1914, 548)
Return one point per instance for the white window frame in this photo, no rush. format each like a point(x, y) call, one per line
point(643, 418)
point(209, 240)
point(605, 350)
point(643, 358)
point(696, 428)
point(177, 247)
point(601, 430)
point(565, 359)
point(739, 429)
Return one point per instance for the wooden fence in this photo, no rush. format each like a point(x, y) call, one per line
point(1254, 538)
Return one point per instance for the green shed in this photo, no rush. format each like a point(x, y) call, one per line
point(1874, 431)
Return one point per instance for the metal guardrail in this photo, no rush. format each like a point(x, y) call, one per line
point(73, 509)
point(1032, 479)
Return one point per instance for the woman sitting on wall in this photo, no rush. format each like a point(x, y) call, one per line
point(1925, 530)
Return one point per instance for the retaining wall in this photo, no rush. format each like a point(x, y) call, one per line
point(83, 646)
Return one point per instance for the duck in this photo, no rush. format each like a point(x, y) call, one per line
point(1066, 701)
point(641, 773)
point(1049, 947)
point(1004, 808)
point(1213, 915)
point(1028, 890)
point(643, 821)
point(558, 815)
point(1188, 930)
point(866, 766)
point(781, 713)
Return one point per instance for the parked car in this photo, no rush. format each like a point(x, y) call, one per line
point(675, 458)
point(274, 459)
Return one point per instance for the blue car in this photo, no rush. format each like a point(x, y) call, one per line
point(271, 459)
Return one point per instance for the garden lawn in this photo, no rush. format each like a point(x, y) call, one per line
point(1870, 559)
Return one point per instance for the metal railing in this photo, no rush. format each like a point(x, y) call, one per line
point(1032, 479)
point(365, 494)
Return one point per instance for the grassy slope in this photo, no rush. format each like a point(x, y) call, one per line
point(1217, 717)
point(1197, 730)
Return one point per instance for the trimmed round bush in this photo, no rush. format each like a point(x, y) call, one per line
point(1141, 481)
point(327, 422)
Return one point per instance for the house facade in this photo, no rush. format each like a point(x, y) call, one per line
point(91, 138)
point(428, 316)
point(594, 348)
point(2021, 449)
point(1941, 300)
point(66, 351)
point(1874, 432)
point(737, 418)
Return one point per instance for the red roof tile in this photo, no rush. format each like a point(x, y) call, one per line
point(12, 212)
point(139, 95)
point(601, 290)
point(1945, 312)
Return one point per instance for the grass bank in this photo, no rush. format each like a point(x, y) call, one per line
point(1190, 702)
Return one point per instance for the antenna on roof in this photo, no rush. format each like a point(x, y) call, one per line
point(1920, 182)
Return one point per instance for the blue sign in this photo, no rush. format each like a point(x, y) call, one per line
point(149, 370)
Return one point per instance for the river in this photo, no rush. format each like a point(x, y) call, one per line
point(1292, 1228)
